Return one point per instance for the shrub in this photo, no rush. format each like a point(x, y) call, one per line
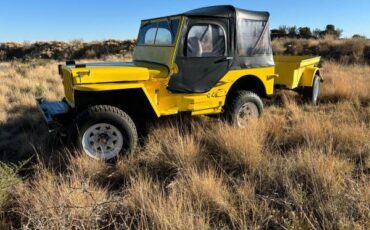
point(64, 50)
point(8, 178)
point(346, 51)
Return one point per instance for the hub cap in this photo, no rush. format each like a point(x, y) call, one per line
point(102, 141)
point(247, 112)
point(316, 90)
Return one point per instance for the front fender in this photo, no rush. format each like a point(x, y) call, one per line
point(119, 86)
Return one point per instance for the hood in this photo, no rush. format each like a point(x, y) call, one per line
point(107, 72)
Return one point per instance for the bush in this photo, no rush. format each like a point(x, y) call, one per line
point(8, 178)
point(346, 51)
point(64, 50)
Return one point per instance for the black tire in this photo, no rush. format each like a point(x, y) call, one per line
point(242, 100)
point(116, 119)
point(312, 94)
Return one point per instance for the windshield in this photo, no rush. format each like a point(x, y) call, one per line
point(158, 33)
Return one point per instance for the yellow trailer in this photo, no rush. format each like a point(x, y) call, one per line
point(299, 73)
point(296, 71)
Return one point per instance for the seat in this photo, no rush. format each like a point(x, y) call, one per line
point(194, 47)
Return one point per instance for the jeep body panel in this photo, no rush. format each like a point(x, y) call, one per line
point(91, 75)
point(164, 102)
point(126, 72)
point(100, 76)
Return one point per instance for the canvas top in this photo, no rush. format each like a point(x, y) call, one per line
point(224, 11)
point(228, 11)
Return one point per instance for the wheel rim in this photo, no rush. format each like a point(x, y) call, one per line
point(247, 112)
point(316, 90)
point(102, 141)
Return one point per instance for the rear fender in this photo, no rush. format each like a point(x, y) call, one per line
point(309, 75)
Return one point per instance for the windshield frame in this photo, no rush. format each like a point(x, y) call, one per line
point(158, 20)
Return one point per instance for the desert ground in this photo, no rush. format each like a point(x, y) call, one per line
point(298, 167)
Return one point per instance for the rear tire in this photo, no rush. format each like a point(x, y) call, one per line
point(104, 132)
point(245, 106)
point(312, 94)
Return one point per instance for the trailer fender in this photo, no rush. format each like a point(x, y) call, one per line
point(309, 75)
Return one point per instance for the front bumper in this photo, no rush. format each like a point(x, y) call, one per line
point(53, 112)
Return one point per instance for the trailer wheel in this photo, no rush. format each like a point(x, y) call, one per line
point(312, 94)
point(245, 107)
point(104, 132)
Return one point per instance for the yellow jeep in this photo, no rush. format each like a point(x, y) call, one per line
point(213, 60)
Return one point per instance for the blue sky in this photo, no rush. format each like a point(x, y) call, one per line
point(43, 20)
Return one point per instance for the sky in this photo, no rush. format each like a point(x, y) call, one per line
point(45, 20)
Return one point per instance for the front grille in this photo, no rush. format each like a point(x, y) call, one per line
point(68, 85)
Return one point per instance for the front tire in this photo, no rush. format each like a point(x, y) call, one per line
point(245, 106)
point(104, 132)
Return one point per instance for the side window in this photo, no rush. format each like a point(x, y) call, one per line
point(205, 40)
point(147, 34)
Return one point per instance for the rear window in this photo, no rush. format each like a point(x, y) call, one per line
point(253, 38)
point(158, 33)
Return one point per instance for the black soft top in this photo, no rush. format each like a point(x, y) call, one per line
point(252, 46)
point(223, 11)
point(227, 11)
point(248, 46)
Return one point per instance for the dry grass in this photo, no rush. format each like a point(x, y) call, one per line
point(347, 82)
point(67, 200)
point(19, 121)
point(297, 167)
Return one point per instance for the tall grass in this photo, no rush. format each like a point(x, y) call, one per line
point(299, 166)
point(346, 82)
point(9, 178)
